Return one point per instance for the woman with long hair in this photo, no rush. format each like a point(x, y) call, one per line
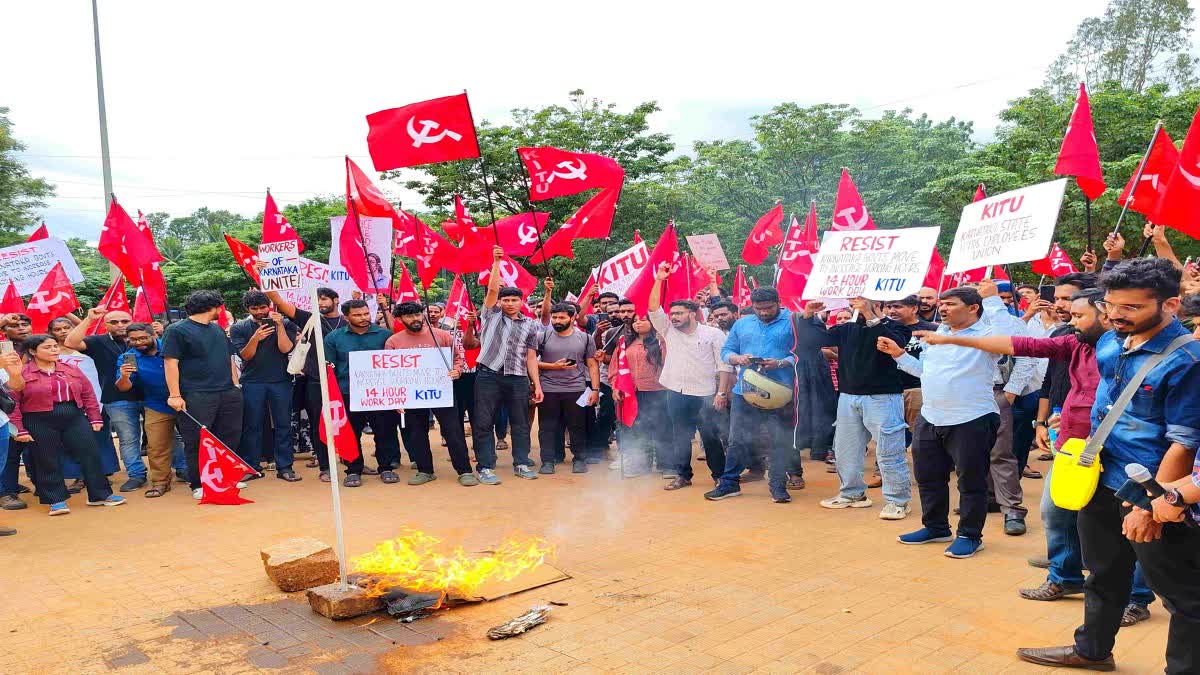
point(651, 432)
point(57, 412)
point(58, 329)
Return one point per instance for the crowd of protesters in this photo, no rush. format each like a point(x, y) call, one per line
point(971, 380)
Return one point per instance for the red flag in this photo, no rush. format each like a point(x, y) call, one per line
point(220, 471)
point(124, 244)
point(700, 278)
point(1180, 201)
point(764, 234)
point(1079, 156)
point(558, 173)
point(12, 304)
point(141, 309)
point(114, 300)
point(937, 268)
point(741, 292)
point(1055, 264)
point(54, 298)
point(681, 285)
point(593, 220)
point(275, 226)
point(589, 284)
point(1155, 172)
point(665, 250)
point(519, 233)
point(155, 285)
point(404, 290)
point(999, 273)
point(40, 233)
point(344, 441)
point(458, 302)
point(973, 276)
point(791, 287)
point(800, 244)
point(437, 130)
point(352, 250)
point(244, 256)
point(627, 407)
point(637, 237)
point(223, 318)
point(435, 255)
point(849, 212)
point(511, 274)
point(369, 201)
point(461, 217)
point(980, 195)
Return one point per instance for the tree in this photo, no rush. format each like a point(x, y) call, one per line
point(204, 226)
point(1135, 43)
point(20, 194)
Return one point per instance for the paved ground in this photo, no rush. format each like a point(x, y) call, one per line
point(663, 582)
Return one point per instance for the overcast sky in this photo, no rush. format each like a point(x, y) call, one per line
point(209, 103)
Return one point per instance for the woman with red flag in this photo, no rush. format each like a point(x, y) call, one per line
point(651, 431)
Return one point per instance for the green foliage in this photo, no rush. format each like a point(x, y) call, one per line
point(20, 194)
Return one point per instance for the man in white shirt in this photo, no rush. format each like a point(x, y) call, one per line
point(693, 354)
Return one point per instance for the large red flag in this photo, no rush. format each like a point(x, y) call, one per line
point(593, 220)
point(519, 233)
point(558, 173)
point(114, 300)
point(12, 304)
point(141, 308)
point(344, 441)
point(937, 268)
point(1180, 201)
point(700, 278)
point(800, 244)
point(275, 226)
point(437, 130)
point(353, 252)
point(741, 291)
point(1155, 171)
point(511, 274)
point(1079, 156)
point(627, 407)
point(790, 286)
point(763, 235)
point(458, 302)
point(1055, 264)
point(369, 201)
point(849, 212)
point(434, 255)
point(244, 256)
point(54, 298)
point(665, 250)
point(681, 285)
point(220, 471)
point(156, 287)
point(40, 233)
point(404, 290)
point(124, 244)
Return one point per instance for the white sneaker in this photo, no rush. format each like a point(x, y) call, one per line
point(840, 502)
point(241, 485)
point(197, 493)
point(894, 511)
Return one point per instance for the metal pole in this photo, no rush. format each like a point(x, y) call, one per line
point(334, 460)
point(105, 163)
point(487, 191)
point(1087, 211)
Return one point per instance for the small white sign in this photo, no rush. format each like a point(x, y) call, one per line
point(875, 264)
point(1013, 227)
point(395, 379)
point(28, 264)
point(706, 249)
point(282, 272)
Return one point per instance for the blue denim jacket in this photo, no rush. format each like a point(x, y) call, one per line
point(772, 340)
point(1165, 409)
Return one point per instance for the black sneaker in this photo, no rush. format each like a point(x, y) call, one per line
point(579, 466)
point(134, 483)
point(722, 493)
point(1014, 525)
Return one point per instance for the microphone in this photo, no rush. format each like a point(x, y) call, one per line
point(1141, 475)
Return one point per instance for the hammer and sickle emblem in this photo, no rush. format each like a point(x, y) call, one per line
point(852, 223)
point(425, 135)
point(1191, 178)
point(337, 415)
point(527, 234)
point(571, 171)
point(211, 475)
point(41, 301)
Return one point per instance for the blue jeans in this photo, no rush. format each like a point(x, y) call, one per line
point(125, 418)
point(178, 459)
point(1066, 557)
point(859, 420)
point(745, 423)
point(257, 399)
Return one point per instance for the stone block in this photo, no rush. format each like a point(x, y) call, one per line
point(301, 563)
point(336, 601)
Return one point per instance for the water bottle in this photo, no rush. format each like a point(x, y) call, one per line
point(1054, 432)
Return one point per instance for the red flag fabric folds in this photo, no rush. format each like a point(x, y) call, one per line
point(155, 285)
point(220, 471)
point(800, 244)
point(124, 244)
point(344, 441)
point(437, 130)
point(245, 257)
point(849, 212)
point(665, 250)
point(114, 300)
point(1079, 156)
point(791, 287)
point(458, 302)
point(369, 201)
point(593, 220)
point(763, 235)
point(141, 308)
point(937, 268)
point(1155, 172)
point(1055, 264)
point(434, 255)
point(275, 227)
point(558, 173)
point(40, 233)
point(511, 274)
point(1180, 201)
point(12, 304)
point(627, 407)
point(54, 298)
point(405, 290)
point(980, 195)
point(519, 233)
point(741, 290)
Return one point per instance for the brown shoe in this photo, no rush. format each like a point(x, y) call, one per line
point(875, 482)
point(1045, 457)
point(678, 483)
point(1063, 657)
point(795, 482)
point(1049, 591)
point(6, 531)
point(1134, 614)
point(1031, 473)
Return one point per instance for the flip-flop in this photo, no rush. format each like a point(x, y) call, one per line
point(154, 492)
point(389, 476)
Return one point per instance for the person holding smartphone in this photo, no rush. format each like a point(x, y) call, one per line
point(564, 355)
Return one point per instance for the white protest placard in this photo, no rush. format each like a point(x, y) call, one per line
point(28, 263)
point(282, 272)
point(619, 271)
point(875, 264)
point(706, 249)
point(1016, 226)
point(377, 237)
point(391, 379)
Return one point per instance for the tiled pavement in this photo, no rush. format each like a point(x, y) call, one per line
point(662, 582)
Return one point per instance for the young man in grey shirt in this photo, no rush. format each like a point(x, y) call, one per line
point(565, 353)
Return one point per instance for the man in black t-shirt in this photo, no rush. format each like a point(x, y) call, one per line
point(201, 379)
point(263, 341)
point(122, 409)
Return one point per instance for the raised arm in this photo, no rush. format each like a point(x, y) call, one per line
point(548, 286)
point(493, 287)
point(660, 276)
point(74, 339)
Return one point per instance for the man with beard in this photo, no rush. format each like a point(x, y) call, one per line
point(263, 341)
point(417, 334)
point(929, 304)
point(565, 353)
point(18, 327)
point(122, 409)
point(147, 374)
point(1160, 430)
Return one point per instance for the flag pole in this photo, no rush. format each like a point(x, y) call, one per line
point(362, 242)
point(428, 318)
point(1137, 177)
point(532, 214)
point(1087, 214)
point(334, 460)
point(487, 191)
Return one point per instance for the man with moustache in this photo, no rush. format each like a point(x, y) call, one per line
point(928, 310)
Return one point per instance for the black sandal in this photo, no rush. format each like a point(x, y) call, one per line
point(289, 476)
point(352, 480)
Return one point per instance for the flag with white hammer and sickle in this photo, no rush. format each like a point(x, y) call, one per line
point(220, 471)
point(437, 130)
point(558, 173)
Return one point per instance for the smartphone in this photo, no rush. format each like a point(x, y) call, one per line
point(130, 360)
point(571, 362)
point(6, 347)
point(755, 360)
point(1046, 293)
point(601, 317)
point(1135, 494)
point(266, 322)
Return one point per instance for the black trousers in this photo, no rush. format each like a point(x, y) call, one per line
point(64, 429)
point(1170, 564)
point(416, 438)
point(464, 396)
point(493, 391)
point(312, 408)
point(965, 449)
point(385, 424)
point(650, 435)
point(221, 412)
point(558, 414)
point(603, 423)
point(714, 437)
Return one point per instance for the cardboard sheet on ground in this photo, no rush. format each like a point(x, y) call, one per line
point(27, 264)
point(1016, 226)
point(706, 249)
point(494, 590)
point(877, 264)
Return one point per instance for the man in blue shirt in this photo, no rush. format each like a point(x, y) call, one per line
point(959, 419)
point(763, 342)
point(1160, 429)
point(146, 373)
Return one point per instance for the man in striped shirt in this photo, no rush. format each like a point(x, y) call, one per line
point(507, 375)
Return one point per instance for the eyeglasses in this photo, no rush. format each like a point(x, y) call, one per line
point(1109, 308)
point(118, 322)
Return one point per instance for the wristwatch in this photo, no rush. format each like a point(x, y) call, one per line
point(1041, 423)
point(721, 394)
point(1175, 498)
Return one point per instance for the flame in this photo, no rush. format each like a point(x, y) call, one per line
point(419, 562)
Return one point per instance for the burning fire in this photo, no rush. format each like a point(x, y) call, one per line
point(418, 562)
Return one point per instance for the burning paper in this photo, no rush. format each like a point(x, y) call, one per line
point(513, 627)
